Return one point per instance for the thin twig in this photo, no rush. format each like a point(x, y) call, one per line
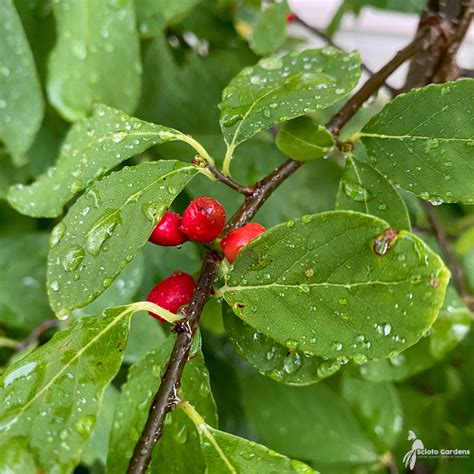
point(451, 259)
point(166, 397)
point(320, 34)
point(368, 88)
point(37, 332)
point(228, 181)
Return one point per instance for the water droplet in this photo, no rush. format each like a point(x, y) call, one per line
point(230, 119)
point(271, 63)
point(73, 258)
point(54, 285)
point(102, 230)
point(57, 234)
point(292, 363)
point(356, 192)
point(291, 344)
point(85, 424)
point(337, 346)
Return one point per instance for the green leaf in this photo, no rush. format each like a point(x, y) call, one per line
point(270, 358)
point(21, 101)
point(92, 148)
point(97, 445)
point(93, 242)
point(423, 140)
point(304, 139)
point(50, 398)
point(340, 284)
point(364, 189)
point(120, 292)
point(378, 408)
point(280, 88)
point(23, 298)
point(178, 449)
point(449, 329)
point(96, 57)
point(410, 6)
point(224, 452)
point(270, 29)
point(154, 15)
point(294, 420)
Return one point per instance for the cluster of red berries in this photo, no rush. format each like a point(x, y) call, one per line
point(202, 221)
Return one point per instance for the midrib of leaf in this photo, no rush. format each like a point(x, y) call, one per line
point(414, 137)
point(140, 191)
point(356, 171)
point(226, 289)
point(202, 427)
point(129, 309)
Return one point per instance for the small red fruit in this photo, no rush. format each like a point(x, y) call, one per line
point(172, 293)
point(167, 231)
point(235, 240)
point(291, 17)
point(203, 220)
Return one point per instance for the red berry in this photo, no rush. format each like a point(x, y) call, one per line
point(167, 231)
point(203, 220)
point(291, 17)
point(172, 293)
point(235, 240)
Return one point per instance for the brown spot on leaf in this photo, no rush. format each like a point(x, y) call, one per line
point(383, 243)
point(434, 282)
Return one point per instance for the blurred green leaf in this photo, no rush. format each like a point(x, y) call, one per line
point(96, 57)
point(23, 298)
point(422, 141)
point(378, 408)
point(280, 88)
point(60, 386)
point(296, 420)
point(270, 29)
point(154, 15)
point(178, 450)
point(93, 242)
point(21, 101)
point(364, 189)
point(340, 284)
point(304, 139)
point(92, 148)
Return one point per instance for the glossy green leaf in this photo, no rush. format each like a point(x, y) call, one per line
point(275, 360)
point(295, 420)
point(120, 292)
point(93, 242)
point(364, 189)
point(21, 101)
point(23, 298)
point(92, 148)
point(423, 142)
point(154, 15)
point(96, 57)
point(224, 452)
point(378, 408)
point(280, 88)
point(304, 139)
point(340, 284)
point(449, 329)
point(178, 449)
point(270, 29)
point(50, 398)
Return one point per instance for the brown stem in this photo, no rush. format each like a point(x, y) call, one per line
point(37, 332)
point(370, 86)
point(320, 34)
point(166, 398)
point(228, 181)
point(451, 259)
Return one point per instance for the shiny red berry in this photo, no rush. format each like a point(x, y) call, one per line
point(172, 293)
point(167, 231)
point(235, 240)
point(291, 17)
point(203, 220)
